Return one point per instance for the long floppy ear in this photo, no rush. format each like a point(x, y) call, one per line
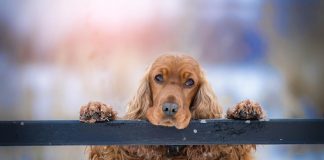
point(138, 106)
point(205, 104)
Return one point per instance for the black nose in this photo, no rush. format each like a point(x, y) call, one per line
point(170, 109)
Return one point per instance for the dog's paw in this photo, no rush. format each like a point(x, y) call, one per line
point(246, 109)
point(96, 112)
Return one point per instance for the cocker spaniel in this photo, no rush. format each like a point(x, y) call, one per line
point(173, 91)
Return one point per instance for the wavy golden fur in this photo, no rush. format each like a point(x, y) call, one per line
point(200, 102)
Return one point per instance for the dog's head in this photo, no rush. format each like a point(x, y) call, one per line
point(173, 92)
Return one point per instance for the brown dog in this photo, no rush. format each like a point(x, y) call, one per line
point(174, 91)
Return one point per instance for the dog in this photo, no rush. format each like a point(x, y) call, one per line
point(173, 91)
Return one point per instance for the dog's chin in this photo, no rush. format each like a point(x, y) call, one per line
point(172, 123)
point(168, 123)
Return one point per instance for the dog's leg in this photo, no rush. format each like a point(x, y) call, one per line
point(96, 112)
point(246, 110)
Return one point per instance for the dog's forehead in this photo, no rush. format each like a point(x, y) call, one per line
point(176, 62)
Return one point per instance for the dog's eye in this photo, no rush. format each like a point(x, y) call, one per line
point(159, 78)
point(190, 82)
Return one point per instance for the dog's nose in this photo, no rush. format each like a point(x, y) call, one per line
point(170, 109)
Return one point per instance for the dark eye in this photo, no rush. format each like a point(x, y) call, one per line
point(190, 82)
point(159, 78)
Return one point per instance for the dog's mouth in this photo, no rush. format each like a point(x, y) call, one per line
point(179, 122)
point(169, 122)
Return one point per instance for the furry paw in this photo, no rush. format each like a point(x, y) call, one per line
point(96, 112)
point(246, 109)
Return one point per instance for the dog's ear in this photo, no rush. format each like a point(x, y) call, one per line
point(138, 106)
point(205, 104)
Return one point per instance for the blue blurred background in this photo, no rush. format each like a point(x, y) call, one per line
point(57, 55)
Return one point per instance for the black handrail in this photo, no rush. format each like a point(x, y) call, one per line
point(122, 132)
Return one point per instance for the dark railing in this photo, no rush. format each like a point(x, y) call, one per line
point(121, 132)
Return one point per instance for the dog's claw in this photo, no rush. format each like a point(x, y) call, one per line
point(96, 112)
point(242, 113)
point(246, 109)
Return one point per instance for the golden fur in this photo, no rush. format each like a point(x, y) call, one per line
point(202, 104)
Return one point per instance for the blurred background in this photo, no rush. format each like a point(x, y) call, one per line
point(57, 55)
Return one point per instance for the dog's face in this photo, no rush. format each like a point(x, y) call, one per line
point(174, 82)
